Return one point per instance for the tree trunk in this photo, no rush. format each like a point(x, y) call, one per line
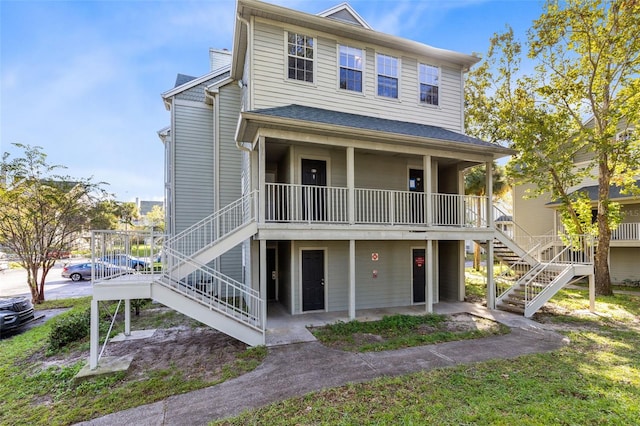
point(476, 256)
point(601, 261)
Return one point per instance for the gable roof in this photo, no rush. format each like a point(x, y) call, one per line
point(339, 28)
point(345, 13)
point(183, 79)
point(339, 121)
point(214, 76)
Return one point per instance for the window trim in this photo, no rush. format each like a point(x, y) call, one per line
point(286, 57)
point(397, 77)
point(362, 68)
point(420, 83)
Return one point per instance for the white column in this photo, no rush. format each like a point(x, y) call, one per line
point(491, 288)
point(95, 335)
point(351, 185)
point(352, 279)
point(261, 178)
point(489, 192)
point(428, 208)
point(263, 280)
point(592, 293)
point(429, 277)
point(127, 317)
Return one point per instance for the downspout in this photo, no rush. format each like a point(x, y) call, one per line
point(239, 144)
point(213, 96)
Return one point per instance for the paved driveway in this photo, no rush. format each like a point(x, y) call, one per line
point(13, 282)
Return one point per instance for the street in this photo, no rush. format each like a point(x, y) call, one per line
point(14, 282)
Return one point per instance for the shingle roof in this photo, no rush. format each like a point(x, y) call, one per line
point(182, 79)
point(318, 115)
point(614, 191)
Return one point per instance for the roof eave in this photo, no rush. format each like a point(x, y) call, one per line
point(193, 83)
point(248, 8)
point(245, 132)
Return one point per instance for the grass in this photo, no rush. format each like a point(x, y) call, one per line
point(38, 390)
point(397, 331)
point(594, 380)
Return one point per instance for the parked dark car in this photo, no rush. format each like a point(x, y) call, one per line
point(127, 260)
point(82, 271)
point(14, 313)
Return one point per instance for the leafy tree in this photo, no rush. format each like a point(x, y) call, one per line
point(127, 212)
point(41, 212)
point(475, 184)
point(587, 57)
point(156, 218)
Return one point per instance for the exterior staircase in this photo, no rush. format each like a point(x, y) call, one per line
point(186, 283)
point(537, 268)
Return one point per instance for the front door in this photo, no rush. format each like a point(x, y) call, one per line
point(416, 202)
point(271, 274)
point(312, 280)
point(314, 177)
point(419, 267)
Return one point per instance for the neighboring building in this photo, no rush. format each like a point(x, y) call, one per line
point(320, 166)
point(541, 216)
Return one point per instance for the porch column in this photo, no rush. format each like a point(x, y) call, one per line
point(127, 317)
point(428, 207)
point(352, 279)
point(95, 335)
point(261, 179)
point(491, 288)
point(489, 192)
point(263, 281)
point(429, 278)
point(592, 293)
point(351, 201)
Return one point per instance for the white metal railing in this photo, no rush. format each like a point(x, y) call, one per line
point(319, 204)
point(118, 253)
point(459, 210)
point(210, 229)
point(215, 290)
point(626, 232)
point(305, 203)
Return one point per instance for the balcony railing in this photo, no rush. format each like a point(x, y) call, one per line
point(320, 204)
point(626, 232)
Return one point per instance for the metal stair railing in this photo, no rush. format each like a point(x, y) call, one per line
point(577, 250)
point(215, 290)
point(216, 226)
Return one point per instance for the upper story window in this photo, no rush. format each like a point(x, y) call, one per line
point(350, 68)
point(429, 84)
point(300, 53)
point(387, 76)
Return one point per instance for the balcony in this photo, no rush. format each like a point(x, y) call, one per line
point(626, 234)
point(306, 204)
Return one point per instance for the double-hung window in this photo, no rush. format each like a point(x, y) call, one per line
point(350, 68)
point(429, 84)
point(300, 55)
point(387, 76)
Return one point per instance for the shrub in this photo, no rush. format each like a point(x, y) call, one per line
point(68, 329)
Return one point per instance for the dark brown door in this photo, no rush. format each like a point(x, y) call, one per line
point(271, 274)
point(419, 268)
point(314, 195)
point(416, 203)
point(312, 280)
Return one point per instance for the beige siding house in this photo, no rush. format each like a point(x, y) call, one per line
point(319, 168)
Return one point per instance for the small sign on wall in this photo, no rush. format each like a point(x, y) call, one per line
point(374, 257)
point(419, 261)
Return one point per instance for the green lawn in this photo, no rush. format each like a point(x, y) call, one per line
point(595, 380)
point(38, 389)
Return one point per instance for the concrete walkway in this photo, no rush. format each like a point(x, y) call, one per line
point(299, 368)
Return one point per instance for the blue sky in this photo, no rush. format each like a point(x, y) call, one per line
point(83, 79)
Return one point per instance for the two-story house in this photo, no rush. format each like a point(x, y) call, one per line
point(319, 168)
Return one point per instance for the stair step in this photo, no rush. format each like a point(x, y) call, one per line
point(510, 308)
